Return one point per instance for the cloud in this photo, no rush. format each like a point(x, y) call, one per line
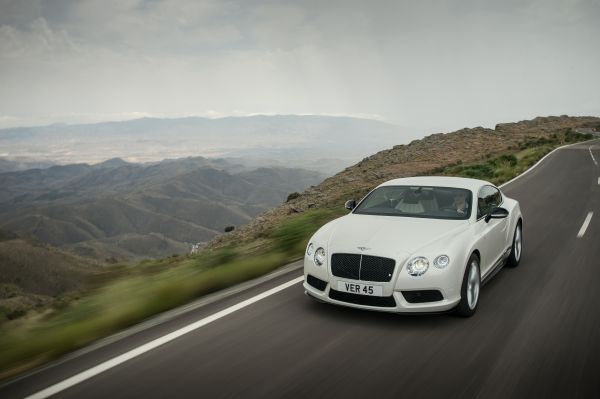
point(438, 64)
point(36, 40)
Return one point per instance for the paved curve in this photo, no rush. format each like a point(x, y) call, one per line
point(536, 332)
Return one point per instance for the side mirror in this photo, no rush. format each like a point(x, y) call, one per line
point(350, 204)
point(496, 213)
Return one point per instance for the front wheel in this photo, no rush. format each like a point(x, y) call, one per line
point(469, 291)
point(517, 247)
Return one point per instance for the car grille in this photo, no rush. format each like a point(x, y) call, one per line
point(362, 267)
point(379, 301)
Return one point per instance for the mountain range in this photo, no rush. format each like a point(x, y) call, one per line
point(116, 210)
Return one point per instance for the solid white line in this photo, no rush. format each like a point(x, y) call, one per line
point(599, 181)
point(592, 155)
point(585, 225)
point(115, 361)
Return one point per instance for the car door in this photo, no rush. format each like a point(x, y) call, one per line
point(493, 231)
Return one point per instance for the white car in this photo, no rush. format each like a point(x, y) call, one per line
point(417, 244)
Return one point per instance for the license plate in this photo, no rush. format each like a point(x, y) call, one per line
point(359, 288)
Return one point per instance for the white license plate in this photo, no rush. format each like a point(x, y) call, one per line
point(359, 288)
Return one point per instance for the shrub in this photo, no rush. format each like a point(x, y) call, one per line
point(292, 196)
point(222, 256)
point(504, 161)
point(292, 235)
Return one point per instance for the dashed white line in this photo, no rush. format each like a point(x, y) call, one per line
point(592, 155)
point(599, 181)
point(585, 224)
point(115, 361)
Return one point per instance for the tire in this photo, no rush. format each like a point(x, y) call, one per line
point(516, 251)
point(470, 288)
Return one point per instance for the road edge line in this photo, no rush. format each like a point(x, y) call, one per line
point(140, 350)
point(541, 160)
point(158, 319)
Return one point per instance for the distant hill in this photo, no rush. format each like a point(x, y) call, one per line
point(295, 140)
point(117, 210)
point(34, 274)
point(16, 164)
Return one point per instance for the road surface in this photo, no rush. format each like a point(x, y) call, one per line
point(536, 332)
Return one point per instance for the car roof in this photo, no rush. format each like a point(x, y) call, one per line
point(438, 181)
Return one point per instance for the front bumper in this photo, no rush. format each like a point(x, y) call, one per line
point(393, 300)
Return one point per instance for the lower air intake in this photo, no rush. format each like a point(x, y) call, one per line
point(378, 301)
point(316, 282)
point(422, 296)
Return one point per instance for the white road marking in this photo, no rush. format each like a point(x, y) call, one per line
point(585, 224)
point(115, 361)
point(592, 155)
point(599, 181)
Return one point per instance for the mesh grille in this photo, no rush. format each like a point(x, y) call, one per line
point(345, 265)
point(369, 268)
point(376, 268)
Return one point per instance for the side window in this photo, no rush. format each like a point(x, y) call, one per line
point(487, 198)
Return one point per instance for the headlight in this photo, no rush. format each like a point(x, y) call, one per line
point(319, 256)
point(418, 266)
point(310, 249)
point(441, 261)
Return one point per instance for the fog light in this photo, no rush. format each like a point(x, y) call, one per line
point(441, 261)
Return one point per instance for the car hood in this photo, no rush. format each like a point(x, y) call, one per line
point(389, 235)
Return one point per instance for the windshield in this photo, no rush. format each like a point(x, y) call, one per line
point(418, 201)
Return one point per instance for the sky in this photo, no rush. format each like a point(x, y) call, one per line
point(436, 65)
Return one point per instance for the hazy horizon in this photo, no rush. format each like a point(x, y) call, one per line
point(437, 66)
point(296, 141)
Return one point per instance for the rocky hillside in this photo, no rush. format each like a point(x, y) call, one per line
point(420, 157)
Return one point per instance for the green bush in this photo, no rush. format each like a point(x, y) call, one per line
point(292, 236)
point(292, 196)
point(504, 161)
point(219, 257)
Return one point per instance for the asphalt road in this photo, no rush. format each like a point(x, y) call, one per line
point(536, 332)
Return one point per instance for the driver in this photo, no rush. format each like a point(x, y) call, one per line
point(460, 203)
